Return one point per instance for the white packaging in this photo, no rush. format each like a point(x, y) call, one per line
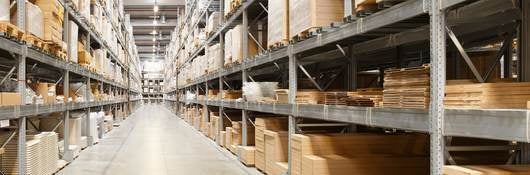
point(4, 11)
point(255, 91)
point(34, 20)
point(228, 47)
point(72, 35)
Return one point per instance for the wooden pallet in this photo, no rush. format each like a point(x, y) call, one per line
point(306, 34)
point(34, 41)
point(11, 31)
point(277, 45)
point(54, 49)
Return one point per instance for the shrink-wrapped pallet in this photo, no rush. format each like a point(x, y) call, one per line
point(72, 37)
point(278, 21)
point(228, 48)
point(4, 11)
point(84, 8)
point(259, 91)
point(227, 7)
point(308, 14)
point(237, 45)
point(215, 61)
point(33, 21)
point(53, 13)
point(99, 54)
point(213, 22)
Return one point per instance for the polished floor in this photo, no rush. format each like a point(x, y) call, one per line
point(155, 142)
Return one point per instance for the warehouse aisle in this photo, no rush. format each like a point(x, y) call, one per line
point(155, 142)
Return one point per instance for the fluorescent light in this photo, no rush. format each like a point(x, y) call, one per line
point(154, 32)
point(155, 9)
point(154, 39)
point(155, 22)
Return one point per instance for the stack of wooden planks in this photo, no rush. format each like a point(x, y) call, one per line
point(42, 154)
point(359, 153)
point(247, 154)
point(231, 94)
point(486, 169)
point(407, 88)
point(466, 94)
point(368, 97)
point(306, 15)
point(314, 97)
point(263, 124)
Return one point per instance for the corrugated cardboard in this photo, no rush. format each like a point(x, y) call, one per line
point(10, 98)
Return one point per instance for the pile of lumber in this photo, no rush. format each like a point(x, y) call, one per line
point(307, 15)
point(313, 97)
point(486, 169)
point(369, 97)
point(231, 94)
point(263, 124)
point(359, 153)
point(276, 145)
point(465, 94)
point(42, 154)
point(407, 88)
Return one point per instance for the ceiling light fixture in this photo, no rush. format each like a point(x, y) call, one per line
point(154, 39)
point(154, 32)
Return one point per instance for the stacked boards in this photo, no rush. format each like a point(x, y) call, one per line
point(42, 154)
point(407, 88)
point(499, 95)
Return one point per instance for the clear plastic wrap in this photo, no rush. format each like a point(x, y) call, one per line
point(4, 11)
point(278, 21)
point(257, 91)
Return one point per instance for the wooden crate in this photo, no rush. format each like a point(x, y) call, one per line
point(486, 170)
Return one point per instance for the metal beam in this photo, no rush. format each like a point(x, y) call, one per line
point(464, 55)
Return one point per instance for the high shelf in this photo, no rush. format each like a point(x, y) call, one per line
point(410, 32)
point(32, 62)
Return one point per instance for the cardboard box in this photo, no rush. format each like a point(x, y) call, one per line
point(247, 154)
point(10, 98)
point(276, 144)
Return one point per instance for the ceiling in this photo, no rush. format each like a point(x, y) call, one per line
point(142, 19)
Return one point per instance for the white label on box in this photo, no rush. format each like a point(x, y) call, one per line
point(4, 123)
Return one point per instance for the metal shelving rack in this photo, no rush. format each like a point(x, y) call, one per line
point(25, 54)
point(409, 22)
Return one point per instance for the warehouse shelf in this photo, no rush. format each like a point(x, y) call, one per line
point(86, 27)
point(407, 23)
point(499, 124)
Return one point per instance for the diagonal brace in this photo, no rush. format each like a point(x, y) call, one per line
point(309, 76)
point(464, 54)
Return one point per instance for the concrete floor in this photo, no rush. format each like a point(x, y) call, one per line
point(155, 142)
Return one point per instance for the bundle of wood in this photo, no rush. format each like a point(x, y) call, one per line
point(486, 169)
point(369, 97)
point(262, 125)
point(317, 97)
point(373, 154)
point(407, 87)
point(231, 94)
point(500, 95)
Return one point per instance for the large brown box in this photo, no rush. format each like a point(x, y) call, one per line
point(406, 145)
point(46, 90)
point(10, 98)
point(262, 124)
point(53, 13)
point(276, 144)
point(278, 21)
point(247, 154)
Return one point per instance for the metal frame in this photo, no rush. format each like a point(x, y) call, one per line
point(437, 121)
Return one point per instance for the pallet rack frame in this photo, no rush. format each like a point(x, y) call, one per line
point(22, 52)
point(501, 124)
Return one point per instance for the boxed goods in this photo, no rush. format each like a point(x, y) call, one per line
point(53, 13)
point(278, 21)
point(33, 20)
point(10, 98)
point(305, 15)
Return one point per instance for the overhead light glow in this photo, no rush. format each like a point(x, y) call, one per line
point(155, 9)
point(154, 32)
point(155, 22)
point(154, 39)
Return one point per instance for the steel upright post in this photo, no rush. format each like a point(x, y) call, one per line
point(293, 87)
point(244, 36)
point(438, 73)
